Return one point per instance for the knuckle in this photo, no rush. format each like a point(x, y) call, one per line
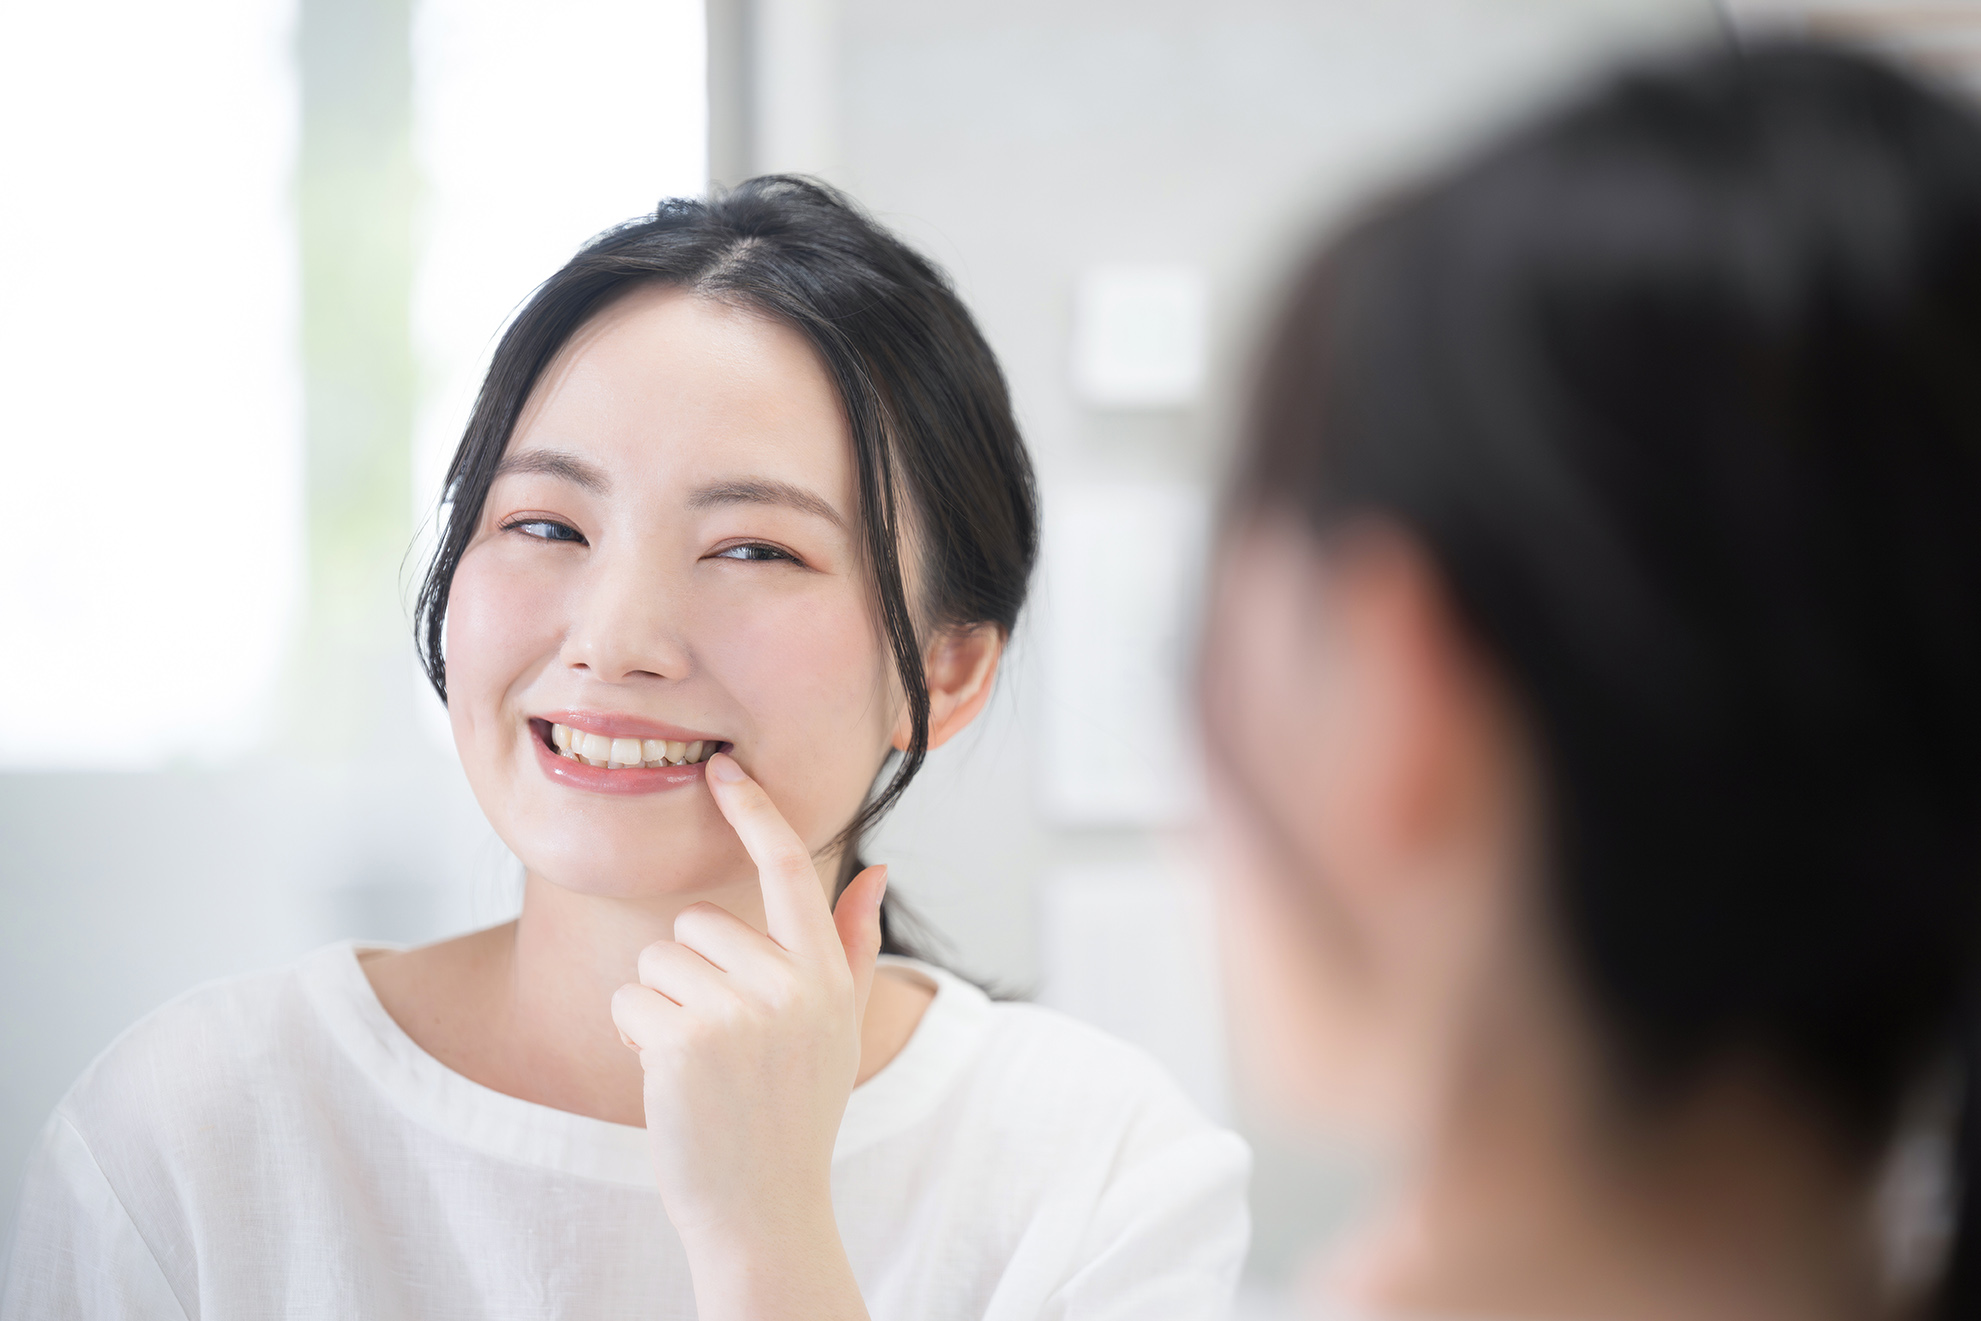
point(698, 916)
point(625, 1002)
point(698, 1035)
point(789, 858)
point(787, 995)
point(730, 1014)
point(654, 960)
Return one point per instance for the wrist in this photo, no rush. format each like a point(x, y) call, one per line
point(788, 1263)
point(794, 1219)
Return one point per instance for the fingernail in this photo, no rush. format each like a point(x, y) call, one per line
point(723, 767)
point(880, 892)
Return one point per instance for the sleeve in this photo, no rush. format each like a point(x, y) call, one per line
point(76, 1255)
point(1168, 1236)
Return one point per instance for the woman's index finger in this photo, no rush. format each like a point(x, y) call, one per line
point(795, 906)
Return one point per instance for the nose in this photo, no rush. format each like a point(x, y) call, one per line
point(625, 625)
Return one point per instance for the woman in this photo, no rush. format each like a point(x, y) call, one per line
point(1596, 686)
point(741, 516)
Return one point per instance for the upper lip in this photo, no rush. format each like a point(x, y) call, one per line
point(616, 724)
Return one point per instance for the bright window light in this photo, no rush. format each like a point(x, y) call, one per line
point(535, 127)
point(152, 432)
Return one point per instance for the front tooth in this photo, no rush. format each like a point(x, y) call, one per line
point(653, 751)
point(560, 737)
point(626, 751)
point(675, 751)
point(695, 751)
point(595, 748)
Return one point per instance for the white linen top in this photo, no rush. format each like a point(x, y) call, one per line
point(275, 1145)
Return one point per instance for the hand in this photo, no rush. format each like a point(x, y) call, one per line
point(750, 1045)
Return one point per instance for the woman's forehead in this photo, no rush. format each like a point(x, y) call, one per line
point(667, 385)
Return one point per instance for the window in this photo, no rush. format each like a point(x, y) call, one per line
point(152, 433)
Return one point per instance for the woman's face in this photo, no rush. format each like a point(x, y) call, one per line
point(669, 555)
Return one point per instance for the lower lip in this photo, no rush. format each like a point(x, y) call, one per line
point(599, 780)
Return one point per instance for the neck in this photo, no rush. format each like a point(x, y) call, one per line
point(525, 1008)
point(1536, 1199)
point(562, 959)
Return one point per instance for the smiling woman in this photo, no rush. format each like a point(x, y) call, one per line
point(675, 525)
point(742, 518)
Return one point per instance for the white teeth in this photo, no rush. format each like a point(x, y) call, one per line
point(628, 753)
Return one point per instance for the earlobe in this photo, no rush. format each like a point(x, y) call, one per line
point(959, 667)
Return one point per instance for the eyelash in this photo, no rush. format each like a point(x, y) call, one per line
point(765, 553)
point(522, 524)
point(770, 555)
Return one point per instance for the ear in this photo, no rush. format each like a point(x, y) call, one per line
point(1348, 695)
point(958, 666)
point(1428, 728)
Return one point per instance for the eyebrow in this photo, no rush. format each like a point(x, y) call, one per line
point(764, 491)
point(555, 463)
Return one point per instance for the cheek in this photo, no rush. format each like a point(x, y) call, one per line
point(1283, 1002)
point(814, 678)
point(1308, 1021)
point(502, 623)
point(803, 666)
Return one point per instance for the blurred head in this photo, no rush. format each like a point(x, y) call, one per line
point(743, 474)
point(1600, 613)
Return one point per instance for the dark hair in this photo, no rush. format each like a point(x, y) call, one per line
point(925, 402)
point(1680, 387)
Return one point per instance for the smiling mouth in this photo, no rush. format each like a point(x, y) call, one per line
point(623, 754)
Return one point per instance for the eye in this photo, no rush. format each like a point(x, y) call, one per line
point(754, 550)
point(545, 529)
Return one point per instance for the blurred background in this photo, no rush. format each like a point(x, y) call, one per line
point(254, 255)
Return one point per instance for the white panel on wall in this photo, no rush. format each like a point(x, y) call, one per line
point(1122, 569)
point(148, 359)
point(1140, 336)
point(1132, 949)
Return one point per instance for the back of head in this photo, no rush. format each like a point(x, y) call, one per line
point(1681, 388)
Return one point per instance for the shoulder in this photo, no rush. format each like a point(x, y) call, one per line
point(1124, 1185)
point(185, 1129)
point(226, 1046)
point(1042, 1079)
point(76, 1251)
point(1044, 1072)
point(1045, 1053)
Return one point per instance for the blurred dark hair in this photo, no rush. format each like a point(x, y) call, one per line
point(1680, 386)
point(925, 402)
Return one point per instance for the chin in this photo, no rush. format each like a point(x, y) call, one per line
point(609, 865)
point(620, 847)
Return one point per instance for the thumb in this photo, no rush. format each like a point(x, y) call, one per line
point(857, 915)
